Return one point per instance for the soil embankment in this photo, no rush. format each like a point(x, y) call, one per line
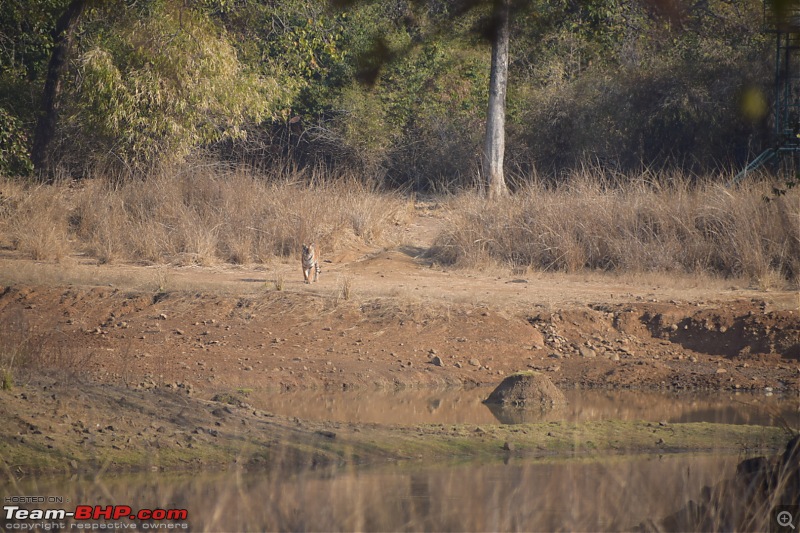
point(210, 342)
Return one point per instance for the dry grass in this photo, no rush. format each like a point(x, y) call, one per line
point(35, 220)
point(663, 225)
point(345, 287)
point(203, 215)
point(198, 215)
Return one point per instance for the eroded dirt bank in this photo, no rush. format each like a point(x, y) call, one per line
point(116, 378)
point(207, 342)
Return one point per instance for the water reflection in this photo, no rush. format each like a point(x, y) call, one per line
point(465, 406)
point(614, 493)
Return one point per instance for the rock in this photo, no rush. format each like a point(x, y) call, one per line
point(527, 389)
point(585, 351)
point(508, 446)
point(437, 361)
point(474, 362)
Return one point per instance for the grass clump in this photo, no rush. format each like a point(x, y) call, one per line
point(34, 219)
point(6, 380)
point(200, 215)
point(664, 224)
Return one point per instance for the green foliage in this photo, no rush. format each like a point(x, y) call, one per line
point(154, 87)
point(395, 89)
point(25, 39)
point(25, 46)
point(298, 42)
point(627, 85)
point(408, 102)
point(14, 159)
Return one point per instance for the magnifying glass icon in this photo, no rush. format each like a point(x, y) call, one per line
point(785, 519)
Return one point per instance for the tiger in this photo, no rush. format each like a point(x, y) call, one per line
point(310, 260)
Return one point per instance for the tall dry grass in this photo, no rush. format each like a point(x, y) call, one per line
point(198, 215)
point(205, 215)
point(34, 220)
point(648, 224)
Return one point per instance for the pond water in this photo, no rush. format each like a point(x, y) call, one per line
point(456, 406)
point(600, 493)
point(611, 493)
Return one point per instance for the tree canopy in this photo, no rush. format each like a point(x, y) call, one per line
point(395, 90)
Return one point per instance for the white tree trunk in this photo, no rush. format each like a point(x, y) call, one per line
point(495, 143)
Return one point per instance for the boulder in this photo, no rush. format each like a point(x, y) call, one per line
point(527, 389)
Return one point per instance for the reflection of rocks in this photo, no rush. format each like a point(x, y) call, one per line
point(749, 501)
point(524, 397)
point(509, 414)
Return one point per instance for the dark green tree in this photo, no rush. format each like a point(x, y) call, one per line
point(63, 38)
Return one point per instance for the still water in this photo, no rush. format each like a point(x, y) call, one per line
point(458, 406)
point(606, 494)
point(601, 493)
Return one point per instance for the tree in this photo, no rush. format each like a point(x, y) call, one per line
point(157, 80)
point(63, 36)
point(476, 18)
point(495, 143)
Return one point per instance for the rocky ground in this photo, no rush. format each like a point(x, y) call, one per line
point(209, 342)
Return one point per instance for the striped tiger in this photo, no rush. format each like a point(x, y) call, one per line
point(310, 260)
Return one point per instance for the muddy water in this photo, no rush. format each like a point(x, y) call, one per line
point(614, 493)
point(460, 406)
